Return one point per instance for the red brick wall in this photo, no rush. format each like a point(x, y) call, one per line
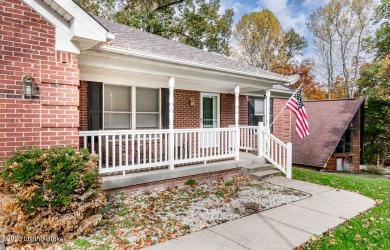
point(83, 105)
point(186, 116)
point(27, 45)
point(228, 110)
point(332, 162)
point(282, 125)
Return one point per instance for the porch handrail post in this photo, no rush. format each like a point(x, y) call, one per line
point(171, 145)
point(289, 161)
point(260, 139)
point(237, 111)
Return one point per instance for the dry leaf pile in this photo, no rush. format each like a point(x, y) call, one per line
point(133, 221)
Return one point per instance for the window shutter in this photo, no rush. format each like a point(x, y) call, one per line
point(165, 98)
point(94, 105)
point(251, 111)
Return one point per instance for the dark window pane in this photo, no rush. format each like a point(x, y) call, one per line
point(209, 112)
point(348, 141)
point(258, 118)
point(94, 106)
point(341, 145)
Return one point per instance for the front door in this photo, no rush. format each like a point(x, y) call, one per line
point(209, 110)
point(209, 118)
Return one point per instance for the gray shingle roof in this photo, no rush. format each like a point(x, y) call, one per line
point(137, 40)
point(328, 120)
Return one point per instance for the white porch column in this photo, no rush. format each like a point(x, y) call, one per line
point(171, 145)
point(237, 111)
point(267, 108)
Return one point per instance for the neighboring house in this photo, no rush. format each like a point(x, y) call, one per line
point(136, 99)
point(336, 136)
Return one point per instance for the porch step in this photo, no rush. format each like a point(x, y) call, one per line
point(259, 171)
point(254, 168)
point(265, 174)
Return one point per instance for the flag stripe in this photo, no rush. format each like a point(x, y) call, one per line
point(295, 104)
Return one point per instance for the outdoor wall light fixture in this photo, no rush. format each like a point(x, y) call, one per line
point(191, 101)
point(28, 88)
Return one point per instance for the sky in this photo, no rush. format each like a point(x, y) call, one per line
point(290, 13)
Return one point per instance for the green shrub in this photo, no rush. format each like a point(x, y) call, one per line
point(190, 182)
point(373, 169)
point(50, 193)
point(228, 183)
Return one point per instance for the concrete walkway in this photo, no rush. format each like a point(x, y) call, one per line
point(284, 227)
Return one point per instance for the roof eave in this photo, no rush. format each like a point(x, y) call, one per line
point(129, 52)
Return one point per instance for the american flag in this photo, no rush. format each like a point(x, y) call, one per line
point(295, 104)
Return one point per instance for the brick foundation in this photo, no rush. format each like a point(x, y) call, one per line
point(51, 117)
point(180, 181)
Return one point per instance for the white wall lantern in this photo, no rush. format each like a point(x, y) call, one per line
point(28, 86)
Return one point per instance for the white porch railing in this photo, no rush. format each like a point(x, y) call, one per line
point(193, 145)
point(275, 151)
point(248, 138)
point(123, 150)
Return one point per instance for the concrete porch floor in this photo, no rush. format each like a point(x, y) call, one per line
point(156, 175)
point(284, 227)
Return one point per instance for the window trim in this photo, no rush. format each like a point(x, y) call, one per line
point(133, 112)
point(206, 94)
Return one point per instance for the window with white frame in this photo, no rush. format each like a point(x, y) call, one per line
point(119, 113)
point(147, 108)
point(117, 107)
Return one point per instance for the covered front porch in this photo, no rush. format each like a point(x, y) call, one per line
point(141, 117)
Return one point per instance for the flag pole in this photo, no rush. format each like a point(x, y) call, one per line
point(285, 105)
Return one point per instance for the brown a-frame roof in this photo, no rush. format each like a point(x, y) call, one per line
point(328, 120)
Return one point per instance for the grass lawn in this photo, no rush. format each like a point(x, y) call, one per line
point(370, 230)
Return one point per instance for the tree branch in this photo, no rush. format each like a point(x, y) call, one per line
point(175, 32)
point(167, 5)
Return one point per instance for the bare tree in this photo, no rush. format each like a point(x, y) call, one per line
point(339, 29)
point(320, 23)
point(364, 12)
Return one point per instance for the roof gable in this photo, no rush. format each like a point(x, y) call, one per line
point(328, 121)
point(76, 30)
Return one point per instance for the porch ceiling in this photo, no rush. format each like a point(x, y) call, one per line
point(140, 72)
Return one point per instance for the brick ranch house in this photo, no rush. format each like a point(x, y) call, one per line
point(336, 141)
point(138, 100)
